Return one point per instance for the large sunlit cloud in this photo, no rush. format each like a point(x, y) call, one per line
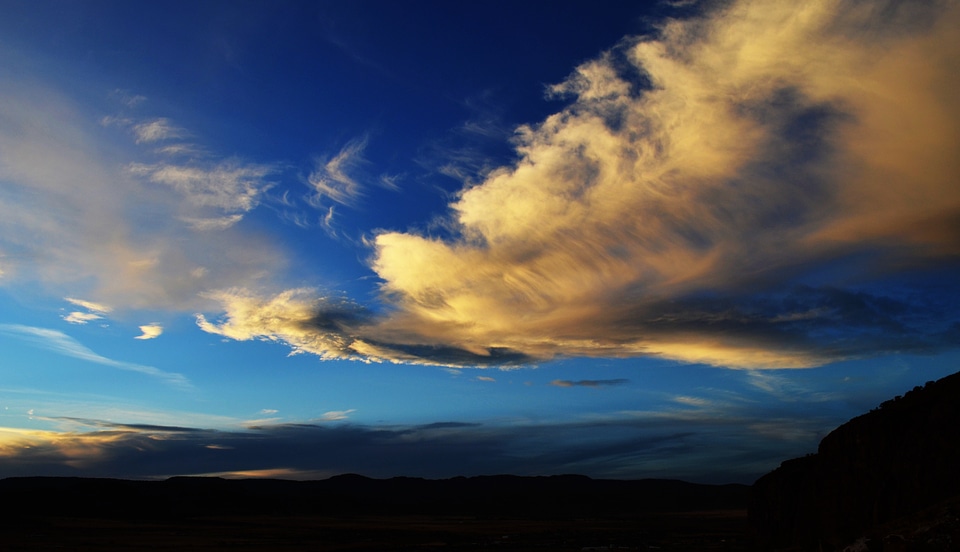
point(740, 190)
point(293, 317)
point(335, 329)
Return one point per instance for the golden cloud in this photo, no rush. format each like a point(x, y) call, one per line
point(771, 138)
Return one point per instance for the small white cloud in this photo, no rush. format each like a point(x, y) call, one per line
point(589, 383)
point(268, 411)
point(691, 401)
point(127, 98)
point(336, 415)
point(150, 331)
point(328, 221)
point(78, 317)
point(113, 120)
point(485, 378)
point(156, 130)
point(390, 181)
point(180, 149)
point(96, 311)
point(89, 305)
point(260, 422)
point(212, 224)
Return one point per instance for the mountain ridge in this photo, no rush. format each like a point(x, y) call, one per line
point(537, 496)
point(867, 475)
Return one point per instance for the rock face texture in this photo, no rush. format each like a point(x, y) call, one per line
point(869, 474)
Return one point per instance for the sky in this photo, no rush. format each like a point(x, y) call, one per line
point(621, 239)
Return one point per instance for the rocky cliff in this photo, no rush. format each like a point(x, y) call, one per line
point(868, 475)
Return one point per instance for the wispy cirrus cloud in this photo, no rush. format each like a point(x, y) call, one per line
point(333, 177)
point(229, 189)
point(89, 305)
point(61, 343)
point(157, 130)
point(740, 190)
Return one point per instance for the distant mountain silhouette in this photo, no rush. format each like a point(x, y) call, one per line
point(869, 478)
point(353, 513)
point(533, 497)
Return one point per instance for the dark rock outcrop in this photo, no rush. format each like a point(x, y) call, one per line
point(872, 471)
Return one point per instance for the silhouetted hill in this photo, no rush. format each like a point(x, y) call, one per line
point(869, 477)
point(358, 514)
point(534, 497)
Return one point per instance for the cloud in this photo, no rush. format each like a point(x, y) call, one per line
point(390, 181)
point(150, 331)
point(589, 383)
point(762, 186)
point(622, 446)
point(103, 424)
point(336, 328)
point(63, 344)
point(328, 222)
point(641, 221)
point(211, 224)
point(75, 217)
point(96, 311)
point(336, 415)
point(332, 178)
point(78, 317)
point(157, 130)
point(89, 305)
point(229, 186)
point(486, 378)
point(766, 186)
point(128, 98)
point(321, 327)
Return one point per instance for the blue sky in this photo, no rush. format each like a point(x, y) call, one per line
point(628, 239)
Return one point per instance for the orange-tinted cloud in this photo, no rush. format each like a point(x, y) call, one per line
point(678, 205)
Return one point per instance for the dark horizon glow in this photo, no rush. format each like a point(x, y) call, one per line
point(675, 239)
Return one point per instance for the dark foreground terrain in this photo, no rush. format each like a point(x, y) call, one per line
point(359, 514)
point(886, 481)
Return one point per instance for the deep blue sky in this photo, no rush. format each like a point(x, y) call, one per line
point(626, 239)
